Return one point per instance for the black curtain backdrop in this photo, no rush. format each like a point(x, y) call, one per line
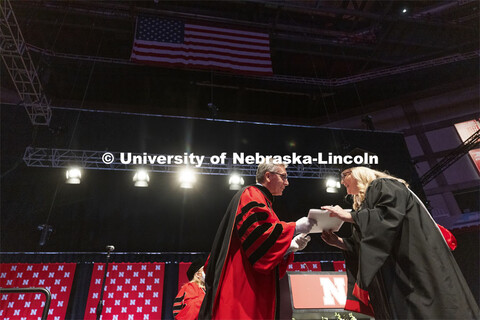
point(107, 209)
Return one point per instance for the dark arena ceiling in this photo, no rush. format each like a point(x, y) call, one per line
point(330, 59)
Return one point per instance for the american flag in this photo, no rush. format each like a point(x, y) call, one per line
point(169, 42)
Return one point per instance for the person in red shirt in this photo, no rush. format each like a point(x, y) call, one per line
point(189, 299)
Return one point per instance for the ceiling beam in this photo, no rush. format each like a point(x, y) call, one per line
point(118, 10)
point(302, 33)
point(321, 10)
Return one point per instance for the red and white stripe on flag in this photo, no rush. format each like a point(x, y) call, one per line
point(132, 291)
point(305, 266)
point(339, 266)
point(56, 277)
point(172, 42)
point(182, 273)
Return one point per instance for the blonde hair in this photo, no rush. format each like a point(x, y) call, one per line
point(196, 279)
point(364, 176)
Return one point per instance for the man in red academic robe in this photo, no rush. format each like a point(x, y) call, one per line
point(251, 251)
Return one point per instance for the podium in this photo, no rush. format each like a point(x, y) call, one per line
point(313, 295)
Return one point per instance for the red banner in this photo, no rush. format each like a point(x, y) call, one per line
point(475, 155)
point(56, 277)
point(305, 266)
point(132, 291)
point(339, 266)
point(182, 273)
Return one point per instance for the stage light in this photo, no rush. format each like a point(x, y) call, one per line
point(141, 178)
point(404, 10)
point(332, 185)
point(236, 181)
point(187, 178)
point(73, 175)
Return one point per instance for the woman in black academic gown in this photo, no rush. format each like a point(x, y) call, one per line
point(399, 266)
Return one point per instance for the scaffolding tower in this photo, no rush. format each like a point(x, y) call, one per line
point(22, 71)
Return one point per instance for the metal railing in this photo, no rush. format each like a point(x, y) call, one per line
point(48, 296)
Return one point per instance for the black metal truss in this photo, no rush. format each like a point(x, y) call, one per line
point(109, 160)
point(20, 67)
point(472, 142)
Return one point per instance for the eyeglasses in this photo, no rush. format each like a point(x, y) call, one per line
point(345, 174)
point(282, 175)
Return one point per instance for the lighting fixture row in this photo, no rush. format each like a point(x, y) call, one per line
point(186, 177)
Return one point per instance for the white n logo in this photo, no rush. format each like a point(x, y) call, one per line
point(331, 290)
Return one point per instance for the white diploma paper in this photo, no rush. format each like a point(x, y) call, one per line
point(324, 221)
